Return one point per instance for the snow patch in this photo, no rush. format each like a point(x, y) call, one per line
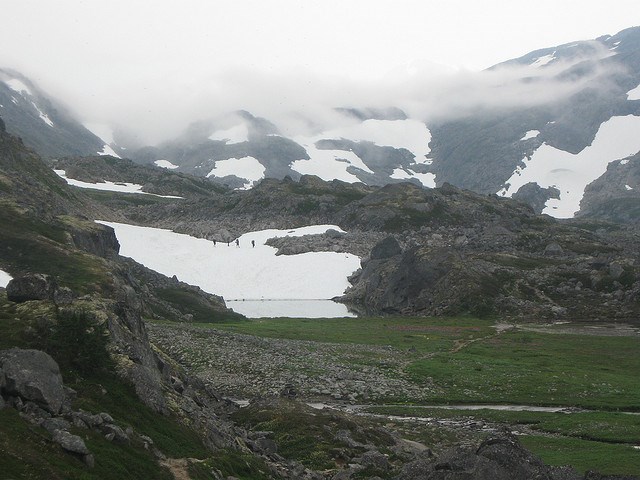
point(109, 186)
point(166, 164)
point(544, 60)
point(411, 135)
point(248, 168)
point(17, 86)
point(43, 116)
point(634, 94)
point(5, 278)
point(624, 162)
point(328, 164)
point(107, 150)
point(617, 138)
point(530, 134)
point(237, 134)
point(427, 179)
point(628, 187)
point(244, 272)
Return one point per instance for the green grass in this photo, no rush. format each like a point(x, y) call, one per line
point(585, 455)
point(188, 302)
point(540, 369)
point(31, 245)
point(27, 452)
point(420, 335)
point(607, 427)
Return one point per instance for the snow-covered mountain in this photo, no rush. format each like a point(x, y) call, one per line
point(370, 146)
point(549, 153)
point(43, 123)
point(549, 126)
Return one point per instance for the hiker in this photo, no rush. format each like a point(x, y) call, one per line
point(237, 243)
point(214, 242)
point(253, 243)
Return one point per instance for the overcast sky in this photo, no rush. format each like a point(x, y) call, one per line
point(153, 58)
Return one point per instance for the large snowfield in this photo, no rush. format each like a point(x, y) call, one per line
point(244, 273)
point(4, 278)
point(617, 138)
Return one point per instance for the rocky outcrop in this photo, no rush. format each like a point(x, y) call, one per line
point(497, 458)
point(97, 239)
point(32, 376)
point(31, 287)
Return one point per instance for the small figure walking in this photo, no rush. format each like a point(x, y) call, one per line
point(237, 243)
point(253, 243)
point(214, 242)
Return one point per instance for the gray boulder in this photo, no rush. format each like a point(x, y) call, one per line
point(70, 443)
point(31, 287)
point(32, 375)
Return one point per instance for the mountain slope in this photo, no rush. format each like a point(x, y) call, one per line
point(43, 123)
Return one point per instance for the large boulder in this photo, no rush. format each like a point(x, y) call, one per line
point(31, 287)
point(32, 375)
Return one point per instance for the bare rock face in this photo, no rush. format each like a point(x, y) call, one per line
point(31, 287)
point(32, 375)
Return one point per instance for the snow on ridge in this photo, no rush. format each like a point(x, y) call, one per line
point(107, 150)
point(328, 164)
point(544, 60)
point(248, 168)
point(634, 94)
point(109, 186)
point(17, 86)
point(409, 134)
point(166, 164)
point(244, 272)
point(43, 116)
point(530, 134)
point(427, 179)
point(5, 278)
point(236, 134)
point(571, 173)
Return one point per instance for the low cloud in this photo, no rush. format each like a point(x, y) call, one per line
point(303, 102)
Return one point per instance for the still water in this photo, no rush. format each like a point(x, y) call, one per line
point(289, 308)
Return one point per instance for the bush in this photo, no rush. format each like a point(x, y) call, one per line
point(79, 343)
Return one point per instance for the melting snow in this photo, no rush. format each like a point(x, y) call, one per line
point(109, 186)
point(5, 278)
point(17, 86)
point(107, 150)
point(530, 134)
point(244, 272)
point(427, 179)
point(548, 166)
point(628, 187)
point(328, 164)
point(634, 94)
point(409, 134)
point(237, 134)
point(45, 118)
point(165, 164)
point(545, 59)
point(248, 168)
